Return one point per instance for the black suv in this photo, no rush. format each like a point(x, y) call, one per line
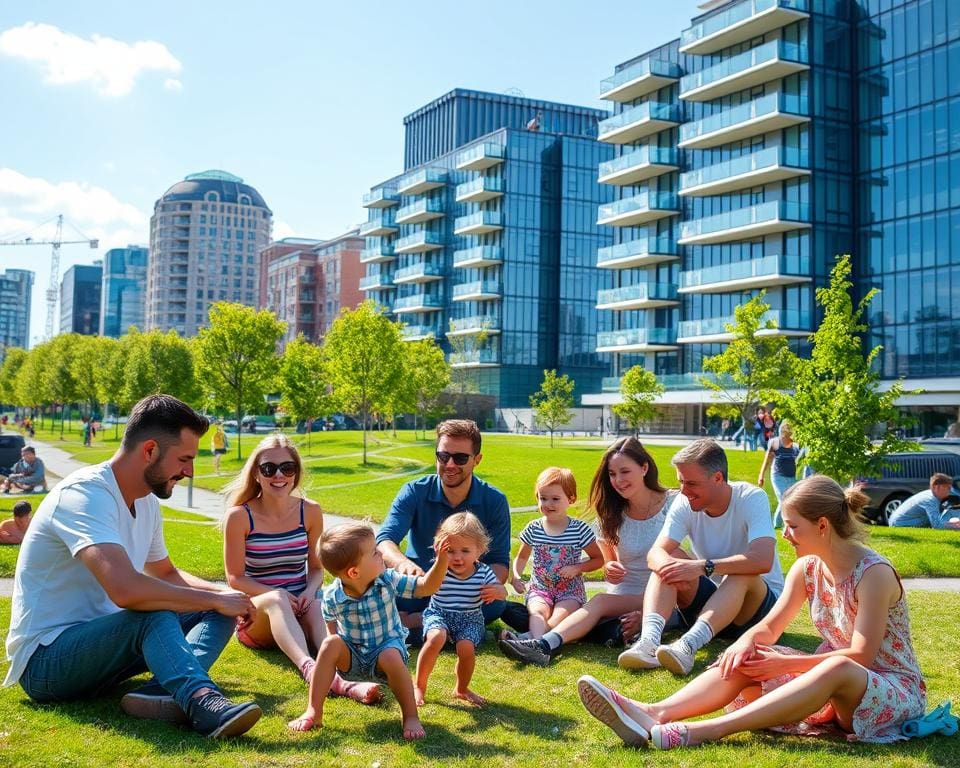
point(909, 474)
point(10, 446)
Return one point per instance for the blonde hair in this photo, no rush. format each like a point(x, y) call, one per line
point(465, 524)
point(821, 496)
point(786, 430)
point(339, 547)
point(558, 476)
point(245, 486)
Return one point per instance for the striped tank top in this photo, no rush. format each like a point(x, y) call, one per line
point(278, 560)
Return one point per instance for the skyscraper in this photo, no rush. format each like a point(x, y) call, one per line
point(16, 288)
point(205, 234)
point(122, 296)
point(770, 137)
point(80, 299)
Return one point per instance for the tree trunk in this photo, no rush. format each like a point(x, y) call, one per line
point(363, 430)
point(239, 427)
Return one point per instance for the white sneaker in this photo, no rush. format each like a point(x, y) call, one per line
point(676, 657)
point(641, 655)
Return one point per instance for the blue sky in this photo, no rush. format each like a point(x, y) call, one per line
point(107, 104)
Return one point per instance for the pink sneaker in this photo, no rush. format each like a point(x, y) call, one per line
point(603, 703)
point(669, 736)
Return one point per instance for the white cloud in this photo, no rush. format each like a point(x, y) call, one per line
point(112, 66)
point(281, 230)
point(172, 84)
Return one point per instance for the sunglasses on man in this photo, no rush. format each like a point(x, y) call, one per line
point(458, 458)
point(285, 468)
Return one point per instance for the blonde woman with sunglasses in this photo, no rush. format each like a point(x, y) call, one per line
point(270, 552)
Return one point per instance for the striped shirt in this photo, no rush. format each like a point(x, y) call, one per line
point(278, 560)
point(456, 594)
point(551, 553)
point(368, 621)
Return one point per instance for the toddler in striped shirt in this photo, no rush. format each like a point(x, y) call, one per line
point(454, 613)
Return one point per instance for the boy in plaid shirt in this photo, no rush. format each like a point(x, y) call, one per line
point(366, 639)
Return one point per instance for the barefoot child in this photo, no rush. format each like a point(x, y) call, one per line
point(454, 611)
point(13, 531)
point(557, 542)
point(359, 607)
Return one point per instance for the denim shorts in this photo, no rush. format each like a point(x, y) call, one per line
point(459, 625)
point(363, 667)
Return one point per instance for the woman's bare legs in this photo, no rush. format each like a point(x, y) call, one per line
point(598, 607)
point(561, 611)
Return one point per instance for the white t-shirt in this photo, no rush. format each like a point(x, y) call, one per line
point(52, 589)
point(746, 519)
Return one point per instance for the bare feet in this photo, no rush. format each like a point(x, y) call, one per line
point(303, 723)
point(469, 696)
point(412, 729)
point(419, 695)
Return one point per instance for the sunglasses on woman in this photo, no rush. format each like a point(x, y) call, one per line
point(458, 458)
point(285, 468)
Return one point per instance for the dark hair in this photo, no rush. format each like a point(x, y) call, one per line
point(161, 418)
point(29, 448)
point(609, 505)
point(22, 508)
point(339, 547)
point(821, 496)
point(460, 428)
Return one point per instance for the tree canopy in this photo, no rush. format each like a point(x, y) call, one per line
point(639, 389)
point(552, 402)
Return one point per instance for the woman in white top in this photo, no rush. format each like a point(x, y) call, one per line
point(630, 505)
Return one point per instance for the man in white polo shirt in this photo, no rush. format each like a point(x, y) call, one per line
point(734, 556)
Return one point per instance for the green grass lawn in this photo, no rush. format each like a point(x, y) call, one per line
point(534, 718)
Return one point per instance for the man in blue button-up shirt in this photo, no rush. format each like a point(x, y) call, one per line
point(422, 504)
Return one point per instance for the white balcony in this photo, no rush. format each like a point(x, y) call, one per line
point(418, 273)
point(418, 182)
point(773, 60)
point(380, 255)
point(643, 252)
point(378, 227)
point(637, 340)
point(478, 257)
point(746, 223)
point(418, 302)
point(716, 330)
point(478, 290)
point(472, 326)
point(739, 23)
point(375, 283)
point(767, 166)
point(479, 223)
point(419, 242)
point(639, 209)
point(419, 212)
point(480, 157)
point(639, 79)
point(765, 272)
point(383, 197)
point(479, 190)
point(638, 296)
point(772, 112)
point(646, 162)
point(420, 332)
point(638, 122)
point(477, 358)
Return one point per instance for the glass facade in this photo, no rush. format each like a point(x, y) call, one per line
point(122, 295)
point(494, 252)
point(16, 288)
point(806, 129)
point(80, 299)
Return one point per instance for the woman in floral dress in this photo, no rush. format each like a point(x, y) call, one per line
point(863, 679)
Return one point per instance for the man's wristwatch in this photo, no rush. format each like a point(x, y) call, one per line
point(708, 567)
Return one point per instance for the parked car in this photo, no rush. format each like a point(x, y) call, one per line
point(909, 474)
point(949, 444)
point(10, 447)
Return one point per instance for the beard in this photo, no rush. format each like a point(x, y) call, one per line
point(159, 484)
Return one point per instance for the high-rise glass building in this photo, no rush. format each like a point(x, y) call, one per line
point(770, 137)
point(16, 288)
point(205, 235)
point(122, 295)
point(487, 241)
point(80, 299)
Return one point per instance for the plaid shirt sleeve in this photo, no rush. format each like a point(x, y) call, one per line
point(405, 585)
point(328, 605)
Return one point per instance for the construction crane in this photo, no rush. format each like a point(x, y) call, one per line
point(53, 289)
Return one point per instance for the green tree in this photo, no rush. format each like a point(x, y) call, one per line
point(364, 357)
point(428, 374)
point(110, 375)
point(836, 396)
point(88, 356)
point(12, 363)
point(158, 362)
point(639, 389)
point(463, 347)
point(755, 365)
point(58, 377)
point(236, 357)
point(303, 387)
point(30, 386)
point(552, 403)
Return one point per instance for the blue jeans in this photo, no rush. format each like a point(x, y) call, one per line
point(780, 484)
point(86, 659)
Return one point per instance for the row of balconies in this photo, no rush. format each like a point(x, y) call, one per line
point(479, 256)
point(478, 223)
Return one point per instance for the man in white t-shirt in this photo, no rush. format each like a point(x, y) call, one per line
point(734, 556)
point(97, 600)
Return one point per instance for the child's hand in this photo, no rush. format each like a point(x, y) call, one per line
point(491, 592)
point(519, 585)
point(441, 546)
point(569, 571)
point(613, 571)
